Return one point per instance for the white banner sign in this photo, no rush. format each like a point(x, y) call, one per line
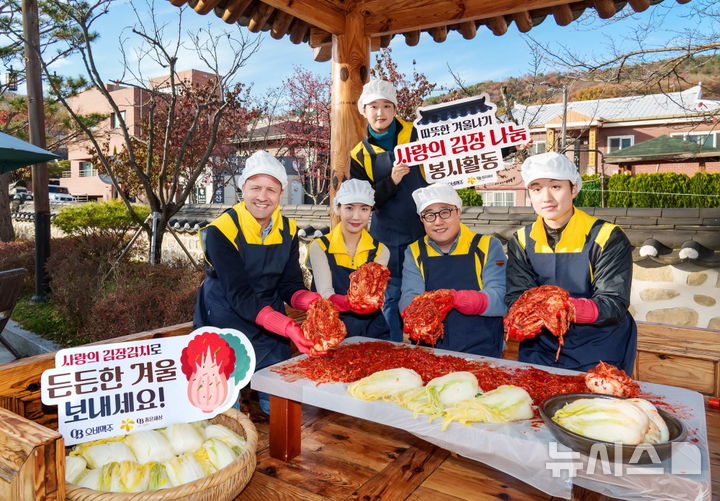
point(113, 389)
point(460, 142)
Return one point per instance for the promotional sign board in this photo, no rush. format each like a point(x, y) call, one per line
point(113, 389)
point(460, 143)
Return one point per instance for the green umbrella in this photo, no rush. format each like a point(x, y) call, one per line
point(16, 153)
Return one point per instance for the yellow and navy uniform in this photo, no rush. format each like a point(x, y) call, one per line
point(341, 265)
point(395, 222)
point(591, 259)
point(246, 271)
point(476, 262)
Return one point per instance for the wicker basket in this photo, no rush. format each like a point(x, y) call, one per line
point(223, 485)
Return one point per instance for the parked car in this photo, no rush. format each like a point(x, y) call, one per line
point(20, 193)
point(59, 194)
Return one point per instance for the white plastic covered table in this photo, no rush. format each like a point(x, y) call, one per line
point(524, 449)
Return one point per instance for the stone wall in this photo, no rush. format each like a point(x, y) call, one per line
point(171, 249)
point(684, 294)
point(678, 293)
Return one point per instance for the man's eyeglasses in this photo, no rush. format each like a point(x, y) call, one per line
point(429, 217)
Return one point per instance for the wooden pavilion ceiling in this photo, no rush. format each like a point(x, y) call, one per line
point(315, 21)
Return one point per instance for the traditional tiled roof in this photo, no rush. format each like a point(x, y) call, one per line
point(667, 105)
point(663, 148)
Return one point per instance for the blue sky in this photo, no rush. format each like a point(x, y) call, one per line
point(486, 57)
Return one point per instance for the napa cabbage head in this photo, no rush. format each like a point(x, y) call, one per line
point(157, 477)
point(418, 401)
point(606, 419)
point(217, 452)
point(74, 468)
point(123, 476)
point(454, 387)
point(103, 453)
point(91, 479)
point(384, 384)
point(511, 402)
point(149, 446)
point(658, 430)
point(184, 437)
point(182, 469)
point(235, 441)
point(470, 411)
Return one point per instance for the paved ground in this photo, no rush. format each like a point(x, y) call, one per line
point(5, 355)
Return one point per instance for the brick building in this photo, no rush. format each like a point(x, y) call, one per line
point(599, 127)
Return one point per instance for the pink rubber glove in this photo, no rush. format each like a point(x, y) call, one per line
point(586, 310)
point(294, 332)
point(283, 325)
point(341, 302)
point(302, 299)
point(470, 302)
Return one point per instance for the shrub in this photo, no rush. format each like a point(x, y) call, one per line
point(618, 187)
point(19, 254)
point(144, 297)
point(590, 194)
point(110, 220)
point(665, 189)
point(470, 197)
point(76, 268)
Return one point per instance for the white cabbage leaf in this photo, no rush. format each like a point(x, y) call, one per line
point(124, 476)
point(235, 441)
point(157, 477)
point(91, 479)
point(606, 419)
point(103, 453)
point(470, 411)
point(384, 384)
point(217, 452)
point(658, 430)
point(184, 437)
point(74, 468)
point(511, 402)
point(418, 401)
point(182, 469)
point(454, 387)
point(149, 446)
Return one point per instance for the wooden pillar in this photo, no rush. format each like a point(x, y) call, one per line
point(550, 140)
point(350, 70)
point(592, 146)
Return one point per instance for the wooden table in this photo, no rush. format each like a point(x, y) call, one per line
point(518, 441)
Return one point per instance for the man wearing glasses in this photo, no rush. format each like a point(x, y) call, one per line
point(451, 256)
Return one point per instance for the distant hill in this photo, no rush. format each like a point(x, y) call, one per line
point(544, 88)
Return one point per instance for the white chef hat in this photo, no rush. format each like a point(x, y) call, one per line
point(550, 165)
point(376, 89)
point(354, 191)
point(436, 193)
point(262, 162)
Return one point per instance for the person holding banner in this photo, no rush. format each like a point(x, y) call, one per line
point(451, 256)
point(332, 258)
point(252, 268)
point(588, 257)
point(394, 222)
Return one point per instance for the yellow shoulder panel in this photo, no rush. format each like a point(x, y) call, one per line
point(227, 227)
point(604, 234)
point(521, 237)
